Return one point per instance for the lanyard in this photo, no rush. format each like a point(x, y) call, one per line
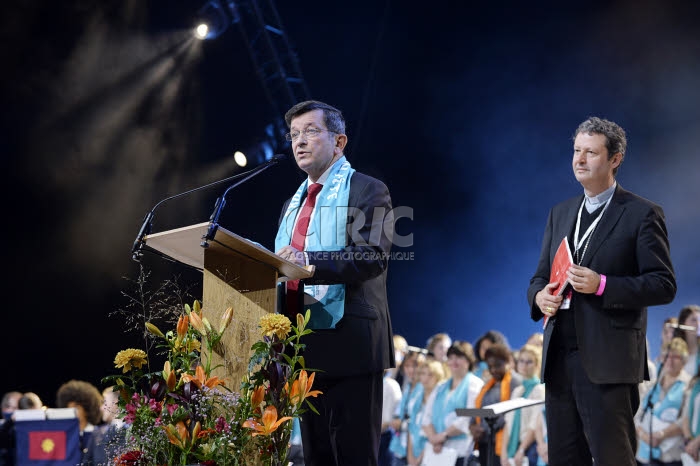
point(578, 242)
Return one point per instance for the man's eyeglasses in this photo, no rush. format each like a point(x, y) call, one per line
point(310, 133)
point(526, 361)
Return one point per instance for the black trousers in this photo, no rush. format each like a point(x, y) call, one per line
point(347, 429)
point(587, 422)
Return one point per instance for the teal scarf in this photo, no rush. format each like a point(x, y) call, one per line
point(669, 406)
point(445, 402)
point(326, 233)
point(514, 439)
point(410, 405)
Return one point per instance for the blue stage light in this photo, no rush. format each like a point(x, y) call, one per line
point(212, 21)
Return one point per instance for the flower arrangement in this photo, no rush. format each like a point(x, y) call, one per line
point(183, 414)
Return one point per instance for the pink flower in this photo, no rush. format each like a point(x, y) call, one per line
point(222, 425)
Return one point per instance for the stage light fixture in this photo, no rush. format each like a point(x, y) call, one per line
point(240, 158)
point(200, 32)
point(263, 150)
point(211, 22)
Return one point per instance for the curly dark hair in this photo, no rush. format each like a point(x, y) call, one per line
point(498, 351)
point(83, 394)
point(615, 137)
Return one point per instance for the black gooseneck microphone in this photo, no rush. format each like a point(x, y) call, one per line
point(147, 224)
point(221, 202)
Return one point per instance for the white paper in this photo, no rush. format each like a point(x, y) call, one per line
point(446, 457)
point(495, 409)
point(688, 460)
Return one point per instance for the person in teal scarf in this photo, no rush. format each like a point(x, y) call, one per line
point(442, 426)
point(412, 391)
point(339, 222)
point(691, 419)
point(659, 431)
point(430, 375)
point(519, 433)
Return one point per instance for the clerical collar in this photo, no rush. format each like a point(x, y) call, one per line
point(593, 203)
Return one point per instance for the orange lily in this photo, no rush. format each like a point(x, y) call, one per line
point(258, 395)
point(200, 379)
point(301, 388)
point(196, 322)
point(270, 423)
point(206, 433)
point(169, 376)
point(180, 436)
point(183, 323)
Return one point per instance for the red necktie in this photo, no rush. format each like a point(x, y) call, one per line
point(298, 242)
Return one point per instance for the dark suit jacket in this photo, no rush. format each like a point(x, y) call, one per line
point(362, 341)
point(629, 246)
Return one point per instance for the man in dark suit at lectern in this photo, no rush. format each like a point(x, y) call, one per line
point(594, 352)
point(339, 221)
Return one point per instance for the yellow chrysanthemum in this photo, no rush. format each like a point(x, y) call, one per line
point(128, 358)
point(275, 324)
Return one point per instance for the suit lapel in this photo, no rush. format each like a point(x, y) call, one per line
point(566, 223)
point(610, 218)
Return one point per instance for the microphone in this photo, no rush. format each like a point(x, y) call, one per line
point(147, 224)
point(681, 326)
point(415, 349)
point(221, 202)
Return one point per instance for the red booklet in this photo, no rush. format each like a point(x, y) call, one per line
point(561, 263)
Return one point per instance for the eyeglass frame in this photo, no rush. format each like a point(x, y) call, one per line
point(525, 361)
point(309, 133)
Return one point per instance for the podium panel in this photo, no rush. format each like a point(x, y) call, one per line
point(237, 273)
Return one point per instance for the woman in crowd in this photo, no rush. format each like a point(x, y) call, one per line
point(691, 419)
point(659, 432)
point(87, 401)
point(412, 391)
point(519, 432)
point(443, 428)
point(484, 342)
point(499, 387)
point(687, 329)
point(430, 375)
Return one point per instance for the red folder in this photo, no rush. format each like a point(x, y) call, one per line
point(561, 263)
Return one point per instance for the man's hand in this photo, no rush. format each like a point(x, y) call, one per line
point(292, 255)
point(583, 279)
point(546, 301)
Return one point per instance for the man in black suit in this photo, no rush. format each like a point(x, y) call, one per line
point(346, 233)
point(594, 352)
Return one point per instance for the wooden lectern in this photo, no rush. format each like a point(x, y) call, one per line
point(238, 273)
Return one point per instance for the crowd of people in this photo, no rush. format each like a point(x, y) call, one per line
point(431, 381)
point(445, 375)
point(95, 411)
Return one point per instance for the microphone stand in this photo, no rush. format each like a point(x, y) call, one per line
point(650, 404)
point(221, 202)
point(147, 225)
